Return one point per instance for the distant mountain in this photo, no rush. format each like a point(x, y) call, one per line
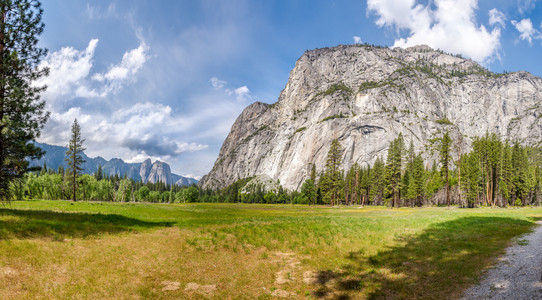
point(146, 171)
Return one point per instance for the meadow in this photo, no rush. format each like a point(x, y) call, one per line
point(64, 249)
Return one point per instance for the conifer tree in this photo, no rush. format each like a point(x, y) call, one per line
point(394, 166)
point(99, 173)
point(332, 179)
point(377, 181)
point(74, 157)
point(445, 157)
point(22, 113)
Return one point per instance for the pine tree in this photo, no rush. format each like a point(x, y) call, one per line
point(394, 166)
point(445, 157)
point(377, 182)
point(22, 114)
point(99, 173)
point(471, 177)
point(332, 179)
point(417, 185)
point(74, 158)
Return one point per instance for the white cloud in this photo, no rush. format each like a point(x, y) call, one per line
point(357, 40)
point(526, 6)
point(449, 26)
point(217, 83)
point(131, 62)
point(68, 70)
point(70, 73)
point(97, 13)
point(144, 129)
point(497, 18)
point(242, 93)
point(526, 30)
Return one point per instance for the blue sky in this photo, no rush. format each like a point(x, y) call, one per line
point(167, 79)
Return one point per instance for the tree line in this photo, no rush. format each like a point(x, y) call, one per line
point(495, 172)
point(57, 184)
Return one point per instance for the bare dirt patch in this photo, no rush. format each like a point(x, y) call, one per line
point(206, 290)
point(8, 272)
point(171, 285)
point(281, 293)
point(290, 264)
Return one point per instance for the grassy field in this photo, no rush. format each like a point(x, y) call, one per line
point(61, 249)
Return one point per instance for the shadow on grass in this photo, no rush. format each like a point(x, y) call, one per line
point(15, 223)
point(436, 264)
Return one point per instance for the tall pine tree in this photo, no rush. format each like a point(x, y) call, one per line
point(74, 157)
point(445, 158)
point(394, 167)
point(333, 175)
point(22, 113)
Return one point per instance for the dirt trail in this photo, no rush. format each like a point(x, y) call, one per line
point(518, 275)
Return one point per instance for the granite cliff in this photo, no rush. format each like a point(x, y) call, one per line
point(365, 96)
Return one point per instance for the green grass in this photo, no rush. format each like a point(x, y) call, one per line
point(62, 249)
point(444, 121)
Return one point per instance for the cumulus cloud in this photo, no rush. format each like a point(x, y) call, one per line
point(68, 70)
point(526, 30)
point(497, 18)
point(70, 73)
point(145, 128)
point(357, 40)
point(131, 62)
point(448, 25)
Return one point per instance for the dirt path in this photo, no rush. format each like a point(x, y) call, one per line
point(518, 275)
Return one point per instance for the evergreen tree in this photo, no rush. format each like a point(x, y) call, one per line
point(99, 173)
point(471, 177)
point(417, 186)
point(394, 166)
point(332, 179)
point(445, 158)
point(377, 181)
point(74, 159)
point(22, 114)
point(308, 190)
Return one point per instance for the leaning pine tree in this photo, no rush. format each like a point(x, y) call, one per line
point(22, 113)
point(74, 158)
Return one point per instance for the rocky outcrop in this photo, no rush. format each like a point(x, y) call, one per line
point(147, 171)
point(160, 172)
point(365, 96)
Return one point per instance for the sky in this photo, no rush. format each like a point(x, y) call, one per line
point(166, 79)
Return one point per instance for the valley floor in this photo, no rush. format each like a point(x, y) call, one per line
point(62, 249)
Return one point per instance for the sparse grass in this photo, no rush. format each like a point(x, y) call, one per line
point(60, 249)
point(444, 121)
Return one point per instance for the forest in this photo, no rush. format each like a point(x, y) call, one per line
point(493, 173)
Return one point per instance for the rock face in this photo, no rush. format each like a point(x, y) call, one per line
point(365, 96)
point(160, 172)
point(145, 169)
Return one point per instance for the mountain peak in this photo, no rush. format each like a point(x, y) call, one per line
point(145, 171)
point(365, 96)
